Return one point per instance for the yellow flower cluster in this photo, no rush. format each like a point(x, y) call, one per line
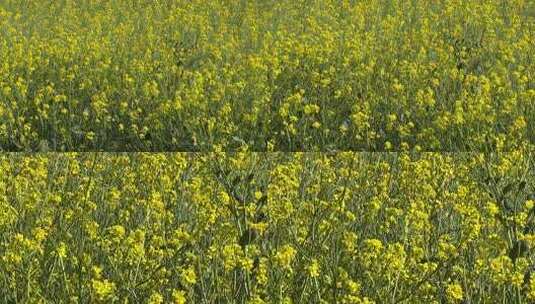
point(336, 228)
point(196, 75)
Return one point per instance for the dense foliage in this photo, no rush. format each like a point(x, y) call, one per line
point(300, 75)
point(267, 228)
point(253, 103)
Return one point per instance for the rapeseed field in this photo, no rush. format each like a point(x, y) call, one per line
point(267, 228)
point(247, 151)
point(303, 75)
